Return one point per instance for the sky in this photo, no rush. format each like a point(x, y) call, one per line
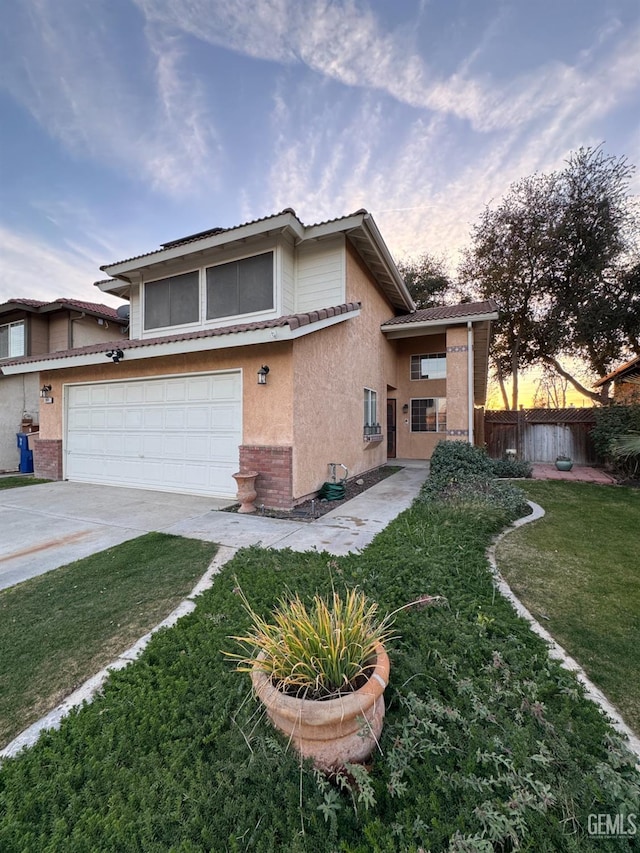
point(125, 124)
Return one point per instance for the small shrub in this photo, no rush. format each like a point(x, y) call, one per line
point(315, 652)
point(511, 468)
point(457, 459)
point(613, 422)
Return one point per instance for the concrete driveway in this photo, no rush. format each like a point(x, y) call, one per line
point(49, 525)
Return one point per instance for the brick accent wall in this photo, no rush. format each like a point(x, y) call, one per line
point(275, 467)
point(47, 458)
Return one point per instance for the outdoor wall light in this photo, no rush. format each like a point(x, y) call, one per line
point(44, 391)
point(405, 408)
point(115, 355)
point(262, 375)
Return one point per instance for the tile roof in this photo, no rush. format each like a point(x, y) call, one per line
point(77, 304)
point(193, 238)
point(294, 321)
point(444, 312)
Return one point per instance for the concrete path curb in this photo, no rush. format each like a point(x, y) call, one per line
point(555, 649)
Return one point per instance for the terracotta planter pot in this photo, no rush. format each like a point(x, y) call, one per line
point(246, 493)
point(332, 731)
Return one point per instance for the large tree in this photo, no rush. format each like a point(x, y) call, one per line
point(560, 256)
point(427, 279)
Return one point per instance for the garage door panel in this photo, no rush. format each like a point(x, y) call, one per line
point(177, 434)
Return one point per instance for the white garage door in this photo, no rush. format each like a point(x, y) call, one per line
point(175, 434)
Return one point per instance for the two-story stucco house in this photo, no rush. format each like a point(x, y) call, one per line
point(272, 346)
point(31, 327)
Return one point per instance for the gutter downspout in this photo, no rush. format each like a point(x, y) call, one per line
point(470, 379)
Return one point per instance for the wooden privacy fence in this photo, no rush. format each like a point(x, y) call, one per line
point(540, 435)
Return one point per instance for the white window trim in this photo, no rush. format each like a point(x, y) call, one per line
point(9, 326)
point(427, 431)
point(433, 355)
point(220, 322)
point(374, 399)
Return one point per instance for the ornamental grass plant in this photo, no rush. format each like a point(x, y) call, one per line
point(316, 651)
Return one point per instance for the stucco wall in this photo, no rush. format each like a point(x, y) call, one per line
point(17, 395)
point(267, 410)
point(331, 370)
point(457, 384)
point(416, 445)
point(87, 330)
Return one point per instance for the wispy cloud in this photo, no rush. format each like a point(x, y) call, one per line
point(24, 258)
point(62, 63)
point(344, 41)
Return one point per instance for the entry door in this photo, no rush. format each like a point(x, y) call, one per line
point(391, 429)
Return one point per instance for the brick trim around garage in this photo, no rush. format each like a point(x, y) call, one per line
point(274, 465)
point(47, 458)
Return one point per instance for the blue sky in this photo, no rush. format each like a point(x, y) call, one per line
point(128, 123)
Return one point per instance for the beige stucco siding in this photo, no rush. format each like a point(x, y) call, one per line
point(457, 383)
point(59, 338)
point(416, 445)
point(18, 394)
point(267, 410)
point(38, 335)
point(331, 370)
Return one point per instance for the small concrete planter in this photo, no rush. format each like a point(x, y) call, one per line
point(332, 732)
point(564, 464)
point(246, 493)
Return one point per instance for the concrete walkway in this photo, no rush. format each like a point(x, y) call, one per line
point(47, 526)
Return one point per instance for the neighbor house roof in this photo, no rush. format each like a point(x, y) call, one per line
point(629, 368)
point(359, 228)
point(244, 334)
point(38, 306)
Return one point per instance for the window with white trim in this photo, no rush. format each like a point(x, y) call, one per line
point(431, 366)
point(240, 287)
point(12, 340)
point(173, 301)
point(370, 409)
point(429, 414)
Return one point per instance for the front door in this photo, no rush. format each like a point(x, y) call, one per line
point(391, 429)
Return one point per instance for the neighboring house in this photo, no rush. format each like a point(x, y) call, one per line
point(355, 374)
point(626, 381)
point(29, 327)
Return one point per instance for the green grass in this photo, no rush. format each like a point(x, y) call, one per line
point(578, 571)
point(487, 746)
point(58, 629)
point(12, 482)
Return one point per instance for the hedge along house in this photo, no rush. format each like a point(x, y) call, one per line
point(270, 346)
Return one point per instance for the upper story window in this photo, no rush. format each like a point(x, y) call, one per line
point(172, 301)
point(433, 366)
point(240, 287)
point(12, 340)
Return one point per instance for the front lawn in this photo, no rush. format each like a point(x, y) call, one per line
point(60, 628)
point(17, 480)
point(578, 571)
point(487, 746)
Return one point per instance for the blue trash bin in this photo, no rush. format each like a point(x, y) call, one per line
point(26, 455)
point(26, 461)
